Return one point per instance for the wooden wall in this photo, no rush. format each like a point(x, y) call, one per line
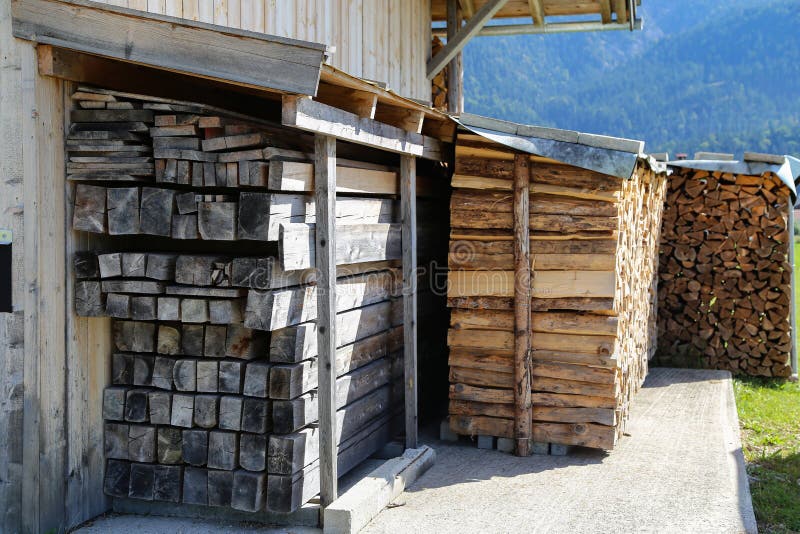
point(52, 373)
point(382, 40)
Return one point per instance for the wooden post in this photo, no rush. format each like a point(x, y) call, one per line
point(325, 193)
point(522, 306)
point(455, 70)
point(408, 200)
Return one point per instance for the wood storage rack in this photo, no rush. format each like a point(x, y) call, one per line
point(204, 225)
point(551, 284)
point(725, 290)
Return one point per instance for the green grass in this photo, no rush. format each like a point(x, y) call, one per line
point(769, 415)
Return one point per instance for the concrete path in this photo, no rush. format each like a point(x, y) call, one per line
point(680, 470)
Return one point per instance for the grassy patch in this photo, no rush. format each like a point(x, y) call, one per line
point(769, 414)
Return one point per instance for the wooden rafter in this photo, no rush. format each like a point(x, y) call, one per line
point(605, 11)
point(454, 46)
point(467, 8)
point(358, 102)
point(537, 12)
point(621, 9)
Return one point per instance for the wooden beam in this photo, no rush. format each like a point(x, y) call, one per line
point(467, 8)
point(306, 114)
point(605, 11)
point(621, 9)
point(408, 200)
point(410, 120)
point(463, 36)
point(537, 12)
point(438, 124)
point(455, 70)
point(177, 45)
point(325, 192)
point(360, 103)
point(522, 306)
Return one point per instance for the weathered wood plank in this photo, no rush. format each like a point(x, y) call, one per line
point(408, 187)
point(306, 114)
point(325, 263)
point(169, 43)
point(357, 243)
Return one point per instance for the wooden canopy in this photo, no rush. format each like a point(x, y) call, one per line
point(607, 11)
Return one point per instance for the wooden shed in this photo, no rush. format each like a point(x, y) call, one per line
point(211, 300)
point(210, 297)
point(726, 274)
point(552, 271)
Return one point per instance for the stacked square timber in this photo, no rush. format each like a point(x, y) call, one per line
point(213, 399)
point(593, 240)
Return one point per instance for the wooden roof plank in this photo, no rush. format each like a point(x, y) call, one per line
point(177, 45)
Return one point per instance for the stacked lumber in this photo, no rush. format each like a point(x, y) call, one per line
point(593, 242)
point(213, 395)
point(725, 281)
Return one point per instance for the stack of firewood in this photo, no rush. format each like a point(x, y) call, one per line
point(214, 373)
point(439, 82)
point(593, 247)
point(724, 291)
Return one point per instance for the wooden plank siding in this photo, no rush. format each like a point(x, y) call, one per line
point(387, 41)
point(53, 370)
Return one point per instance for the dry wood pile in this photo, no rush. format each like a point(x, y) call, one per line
point(214, 375)
point(439, 82)
point(593, 244)
point(724, 290)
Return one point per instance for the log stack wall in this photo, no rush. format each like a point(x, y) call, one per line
point(207, 269)
point(725, 280)
point(593, 246)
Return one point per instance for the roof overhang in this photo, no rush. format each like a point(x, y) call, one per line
point(589, 16)
point(613, 156)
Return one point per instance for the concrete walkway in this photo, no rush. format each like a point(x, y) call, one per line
point(680, 470)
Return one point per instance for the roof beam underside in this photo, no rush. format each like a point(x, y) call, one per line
point(471, 29)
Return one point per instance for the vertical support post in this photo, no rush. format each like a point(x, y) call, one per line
point(455, 69)
point(408, 200)
point(522, 306)
point(325, 197)
point(793, 289)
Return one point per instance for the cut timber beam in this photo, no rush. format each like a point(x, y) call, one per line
point(306, 114)
point(537, 12)
point(454, 46)
point(229, 55)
